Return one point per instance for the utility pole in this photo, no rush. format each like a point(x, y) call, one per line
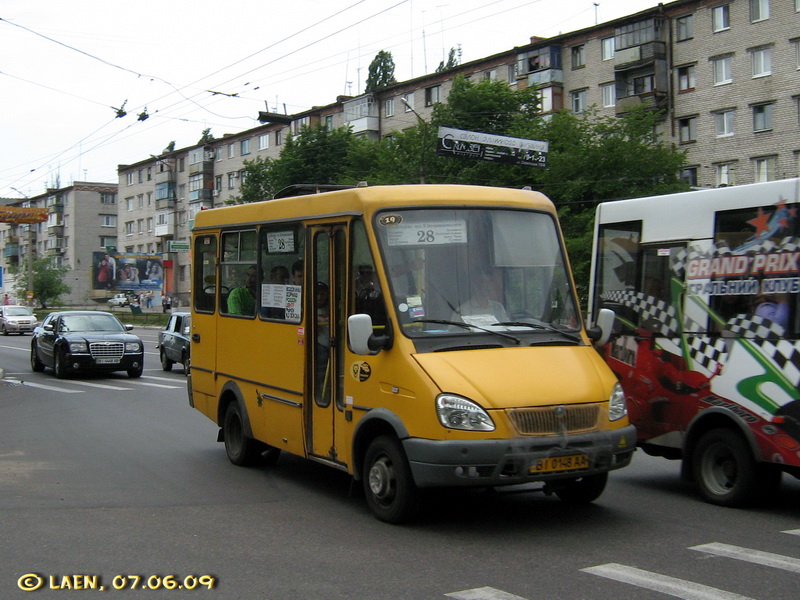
point(424, 125)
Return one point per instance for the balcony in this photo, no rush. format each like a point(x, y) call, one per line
point(11, 250)
point(650, 100)
point(55, 251)
point(201, 194)
point(55, 207)
point(637, 56)
point(56, 230)
point(206, 166)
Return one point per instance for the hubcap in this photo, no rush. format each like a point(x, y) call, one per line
point(720, 469)
point(380, 478)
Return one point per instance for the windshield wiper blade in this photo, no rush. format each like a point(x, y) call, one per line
point(572, 336)
point(514, 339)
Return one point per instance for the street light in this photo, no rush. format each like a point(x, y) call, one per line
point(424, 123)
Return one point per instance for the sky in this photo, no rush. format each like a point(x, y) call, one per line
point(88, 85)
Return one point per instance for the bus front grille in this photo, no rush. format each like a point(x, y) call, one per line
point(555, 420)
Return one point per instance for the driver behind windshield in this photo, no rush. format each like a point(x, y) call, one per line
point(481, 309)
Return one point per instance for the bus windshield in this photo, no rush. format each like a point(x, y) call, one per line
point(466, 271)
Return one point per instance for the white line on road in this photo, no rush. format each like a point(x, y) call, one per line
point(103, 386)
point(484, 593)
point(51, 388)
point(157, 385)
point(753, 556)
point(792, 531)
point(679, 588)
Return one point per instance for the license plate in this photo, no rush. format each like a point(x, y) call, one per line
point(106, 361)
point(560, 463)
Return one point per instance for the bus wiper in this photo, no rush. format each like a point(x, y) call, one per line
point(544, 327)
point(516, 340)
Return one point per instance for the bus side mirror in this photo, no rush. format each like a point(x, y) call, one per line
point(362, 337)
point(603, 327)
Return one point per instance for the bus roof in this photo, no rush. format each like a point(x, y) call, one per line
point(690, 215)
point(366, 200)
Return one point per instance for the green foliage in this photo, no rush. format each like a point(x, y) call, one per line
point(206, 137)
point(381, 72)
point(48, 281)
point(453, 60)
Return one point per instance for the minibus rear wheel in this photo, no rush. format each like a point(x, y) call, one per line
point(389, 486)
point(581, 490)
point(241, 450)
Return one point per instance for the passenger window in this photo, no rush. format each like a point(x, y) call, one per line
point(205, 270)
point(240, 276)
point(281, 252)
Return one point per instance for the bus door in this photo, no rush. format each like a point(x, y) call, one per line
point(204, 324)
point(325, 343)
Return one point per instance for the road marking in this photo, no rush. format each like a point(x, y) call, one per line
point(99, 385)
point(484, 593)
point(792, 531)
point(16, 348)
point(157, 385)
point(170, 379)
point(51, 388)
point(679, 588)
point(753, 556)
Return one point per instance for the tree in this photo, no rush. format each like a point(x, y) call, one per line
point(381, 72)
point(48, 281)
point(453, 60)
point(206, 138)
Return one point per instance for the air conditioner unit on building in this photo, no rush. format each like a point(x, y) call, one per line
point(215, 193)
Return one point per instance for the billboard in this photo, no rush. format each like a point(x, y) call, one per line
point(492, 148)
point(123, 271)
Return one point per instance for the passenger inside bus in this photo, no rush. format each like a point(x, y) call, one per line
point(481, 308)
point(242, 300)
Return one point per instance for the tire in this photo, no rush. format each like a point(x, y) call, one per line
point(726, 472)
point(582, 490)
point(36, 364)
point(59, 364)
point(242, 450)
point(185, 362)
point(166, 363)
point(5, 331)
point(391, 493)
point(136, 372)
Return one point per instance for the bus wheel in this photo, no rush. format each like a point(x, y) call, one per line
point(241, 450)
point(724, 469)
point(581, 490)
point(389, 486)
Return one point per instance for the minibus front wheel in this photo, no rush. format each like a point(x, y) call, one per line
point(391, 493)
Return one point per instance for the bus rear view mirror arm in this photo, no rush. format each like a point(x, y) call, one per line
point(603, 327)
point(362, 337)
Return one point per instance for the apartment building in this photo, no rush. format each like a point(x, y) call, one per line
point(725, 73)
point(81, 219)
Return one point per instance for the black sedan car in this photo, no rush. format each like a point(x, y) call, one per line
point(77, 340)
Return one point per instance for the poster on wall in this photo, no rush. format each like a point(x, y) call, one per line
point(124, 271)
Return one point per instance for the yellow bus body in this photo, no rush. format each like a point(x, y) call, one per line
point(547, 400)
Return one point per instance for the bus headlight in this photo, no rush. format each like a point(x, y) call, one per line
point(455, 412)
point(617, 407)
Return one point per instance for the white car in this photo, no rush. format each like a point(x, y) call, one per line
point(17, 319)
point(119, 300)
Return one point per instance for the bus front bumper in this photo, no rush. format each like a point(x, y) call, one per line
point(436, 463)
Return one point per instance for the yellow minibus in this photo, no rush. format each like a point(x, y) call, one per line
point(413, 336)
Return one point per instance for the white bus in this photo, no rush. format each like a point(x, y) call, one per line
point(705, 287)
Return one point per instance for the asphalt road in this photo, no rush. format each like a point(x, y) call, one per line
point(105, 479)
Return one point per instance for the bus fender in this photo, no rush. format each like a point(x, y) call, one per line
point(231, 393)
point(378, 421)
point(712, 418)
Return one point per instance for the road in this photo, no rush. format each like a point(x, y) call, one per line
point(104, 479)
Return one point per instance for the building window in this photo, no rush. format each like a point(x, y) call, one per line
point(279, 137)
point(762, 62)
point(723, 121)
point(796, 44)
point(232, 180)
point(687, 130)
point(388, 107)
point(129, 178)
point(578, 101)
point(689, 175)
point(140, 200)
point(108, 198)
point(723, 70)
point(218, 182)
point(108, 220)
point(578, 56)
point(149, 173)
point(641, 85)
point(149, 224)
point(759, 10)
point(762, 117)
point(720, 18)
point(409, 101)
point(684, 27)
point(129, 228)
point(218, 156)
point(608, 48)
point(724, 174)
point(129, 203)
point(609, 91)
point(243, 176)
point(432, 95)
point(108, 241)
point(765, 168)
point(149, 199)
point(263, 141)
point(329, 122)
point(686, 78)
point(231, 151)
point(244, 147)
point(140, 226)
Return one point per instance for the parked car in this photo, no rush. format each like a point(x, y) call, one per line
point(17, 319)
point(119, 300)
point(173, 342)
point(76, 340)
